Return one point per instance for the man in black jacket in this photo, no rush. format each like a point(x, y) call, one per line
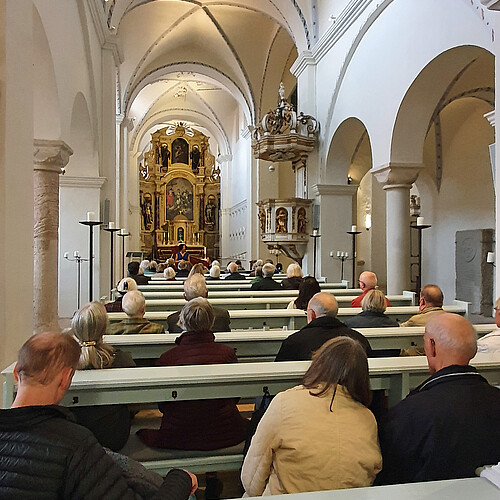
point(232, 269)
point(322, 325)
point(450, 424)
point(44, 453)
point(266, 283)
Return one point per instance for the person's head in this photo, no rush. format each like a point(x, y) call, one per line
point(449, 339)
point(133, 268)
point(134, 304)
point(160, 268)
point(182, 247)
point(258, 263)
point(279, 267)
point(88, 325)
point(153, 266)
point(268, 270)
point(182, 264)
point(215, 263)
point(294, 271)
point(45, 366)
point(232, 267)
point(197, 269)
point(430, 296)
point(497, 312)
point(339, 361)
point(169, 273)
point(322, 304)
point(258, 271)
point(197, 316)
point(268, 261)
point(239, 264)
point(171, 262)
point(215, 271)
point(195, 287)
point(307, 288)
point(374, 301)
point(144, 265)
point(126, 285)
point(367, 280)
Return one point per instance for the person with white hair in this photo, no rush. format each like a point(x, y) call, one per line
point(195, 287)
point(144, 266)
point(449, 425)
point(169, 273)
point(215, 263)
point(125, 285)
point(182, 269)
point(214, 273)
point(197, 425)
point(293, 278)
point(232, 269)
point(134, 305)
point(267, 283)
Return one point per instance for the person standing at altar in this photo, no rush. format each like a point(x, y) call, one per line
point(182, 254)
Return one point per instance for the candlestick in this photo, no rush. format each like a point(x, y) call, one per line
point(111, 231)
point(420, 226)
point(90, 222)
point(420, 221)
point(123, 234)
point(90, 216)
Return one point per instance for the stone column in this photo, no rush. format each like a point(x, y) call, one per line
point(50, 158)
point(397, 180)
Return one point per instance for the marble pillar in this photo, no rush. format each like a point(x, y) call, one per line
point(397, 180)
point(50, 158)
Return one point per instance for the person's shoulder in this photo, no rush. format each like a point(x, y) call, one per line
point(122, 359)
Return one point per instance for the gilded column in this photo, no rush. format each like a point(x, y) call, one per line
point(397, 180)
point(50, 158)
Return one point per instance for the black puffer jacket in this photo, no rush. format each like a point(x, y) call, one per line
point(45, 455)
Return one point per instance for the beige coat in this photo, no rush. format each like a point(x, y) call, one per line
point(300, 445)
point(423, 317)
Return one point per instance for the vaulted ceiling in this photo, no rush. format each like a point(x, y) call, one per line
point(213, 64)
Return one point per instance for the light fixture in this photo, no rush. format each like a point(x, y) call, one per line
point(368, 221)
point(349, 179)
point(272, 168)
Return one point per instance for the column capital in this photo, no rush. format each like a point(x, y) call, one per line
point(490, 116)
point(50, 156)
point(397, 175)
point(304, 60)
point(334, 189)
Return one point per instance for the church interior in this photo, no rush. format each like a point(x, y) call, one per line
point(345, 135)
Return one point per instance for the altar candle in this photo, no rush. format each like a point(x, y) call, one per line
point(315, 232)
point(338, 253)
point(66, 255)
point(111, 225)
point(353, 228)
point(90, 216)
point(420, 221)
point(123, 231)
point(76, 253)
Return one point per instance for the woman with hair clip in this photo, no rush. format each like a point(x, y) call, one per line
point(110, 424)
point(319, 435)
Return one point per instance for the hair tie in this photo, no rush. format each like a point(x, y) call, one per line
point(88, 343)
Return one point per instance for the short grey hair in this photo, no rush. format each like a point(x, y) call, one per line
point(182, 264)
point(232, 267)
point(215, 271)
point(195, 286)
point(144, 264)
point(126, 285)
point(268, 270)
point(324, 304)
point(133, 302)
point(169, 273)
point(197, 316)
point(215, 263)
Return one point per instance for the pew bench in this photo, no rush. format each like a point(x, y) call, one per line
point(221, 294)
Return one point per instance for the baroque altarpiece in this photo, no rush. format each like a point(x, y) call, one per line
point(179, 194)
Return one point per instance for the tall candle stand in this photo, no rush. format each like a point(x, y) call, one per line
point(90, 224)
point(419, 226)
point(111, 230)
point(78, 259)
point(123, 234)
point(354, 232)
point(315, 234)
point(342, 256)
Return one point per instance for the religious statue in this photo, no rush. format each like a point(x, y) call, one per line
point(262, 220)
point(210, 209)
point(147, 212)
point(302, 221)
point(195, 159)
point(281, 220)
point(165, 157)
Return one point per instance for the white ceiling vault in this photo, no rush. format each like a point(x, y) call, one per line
point(217, 63)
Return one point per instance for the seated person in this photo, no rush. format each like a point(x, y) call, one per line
point(125, 285)
point(45, 454)
point(133, 272)
point(258, 275)
point(134, 305)
point(169, 273)
point(196, 287)
point(214, 273)
point(319, 435)
point(144, 267)
point(307, 289)
point(491, 342)
point(197, 425)
point(430, 304)
point(373, 314)
point(450, 424)
point(267, 283)
point(367, 281)
point(198, 269)
point(293, 278)
point(182, 269)
point(239, 264)
point(182, 253)
point(232, 269)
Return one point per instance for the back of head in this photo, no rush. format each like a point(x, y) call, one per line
point(195, 286)
point(169, 273)
point(232, 267)
point(268, 261)
point(294, 271)
point(341, 360)
point(153, 266)
point(307, 289)
point(216, 263)
point(133, 268)
point(133, 303)
point(258, 263)
point(268, 270)
point(170, 262)
point(44, 355)
point(433, 296)
point(449, 339)
point(374, 301)
point(258, 271)
point(126, 285)
point(182, 264)
point(197, 316)
point(89, 324)
point(215, 271)
point(197, 269)
point(144, 265)
point(367, 280)
point(324, 304)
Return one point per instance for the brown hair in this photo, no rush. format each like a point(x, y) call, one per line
point(307, 288)
point(341, 360)
point(43, 355)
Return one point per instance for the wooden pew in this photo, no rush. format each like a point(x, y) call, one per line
point(290, 318)
point(256, 346)
point(221, 285)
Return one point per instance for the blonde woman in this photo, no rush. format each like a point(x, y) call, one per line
point(109, 423)
point(293, 278)
point(373, 315)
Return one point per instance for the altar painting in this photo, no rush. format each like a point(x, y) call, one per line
point(179, 198)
